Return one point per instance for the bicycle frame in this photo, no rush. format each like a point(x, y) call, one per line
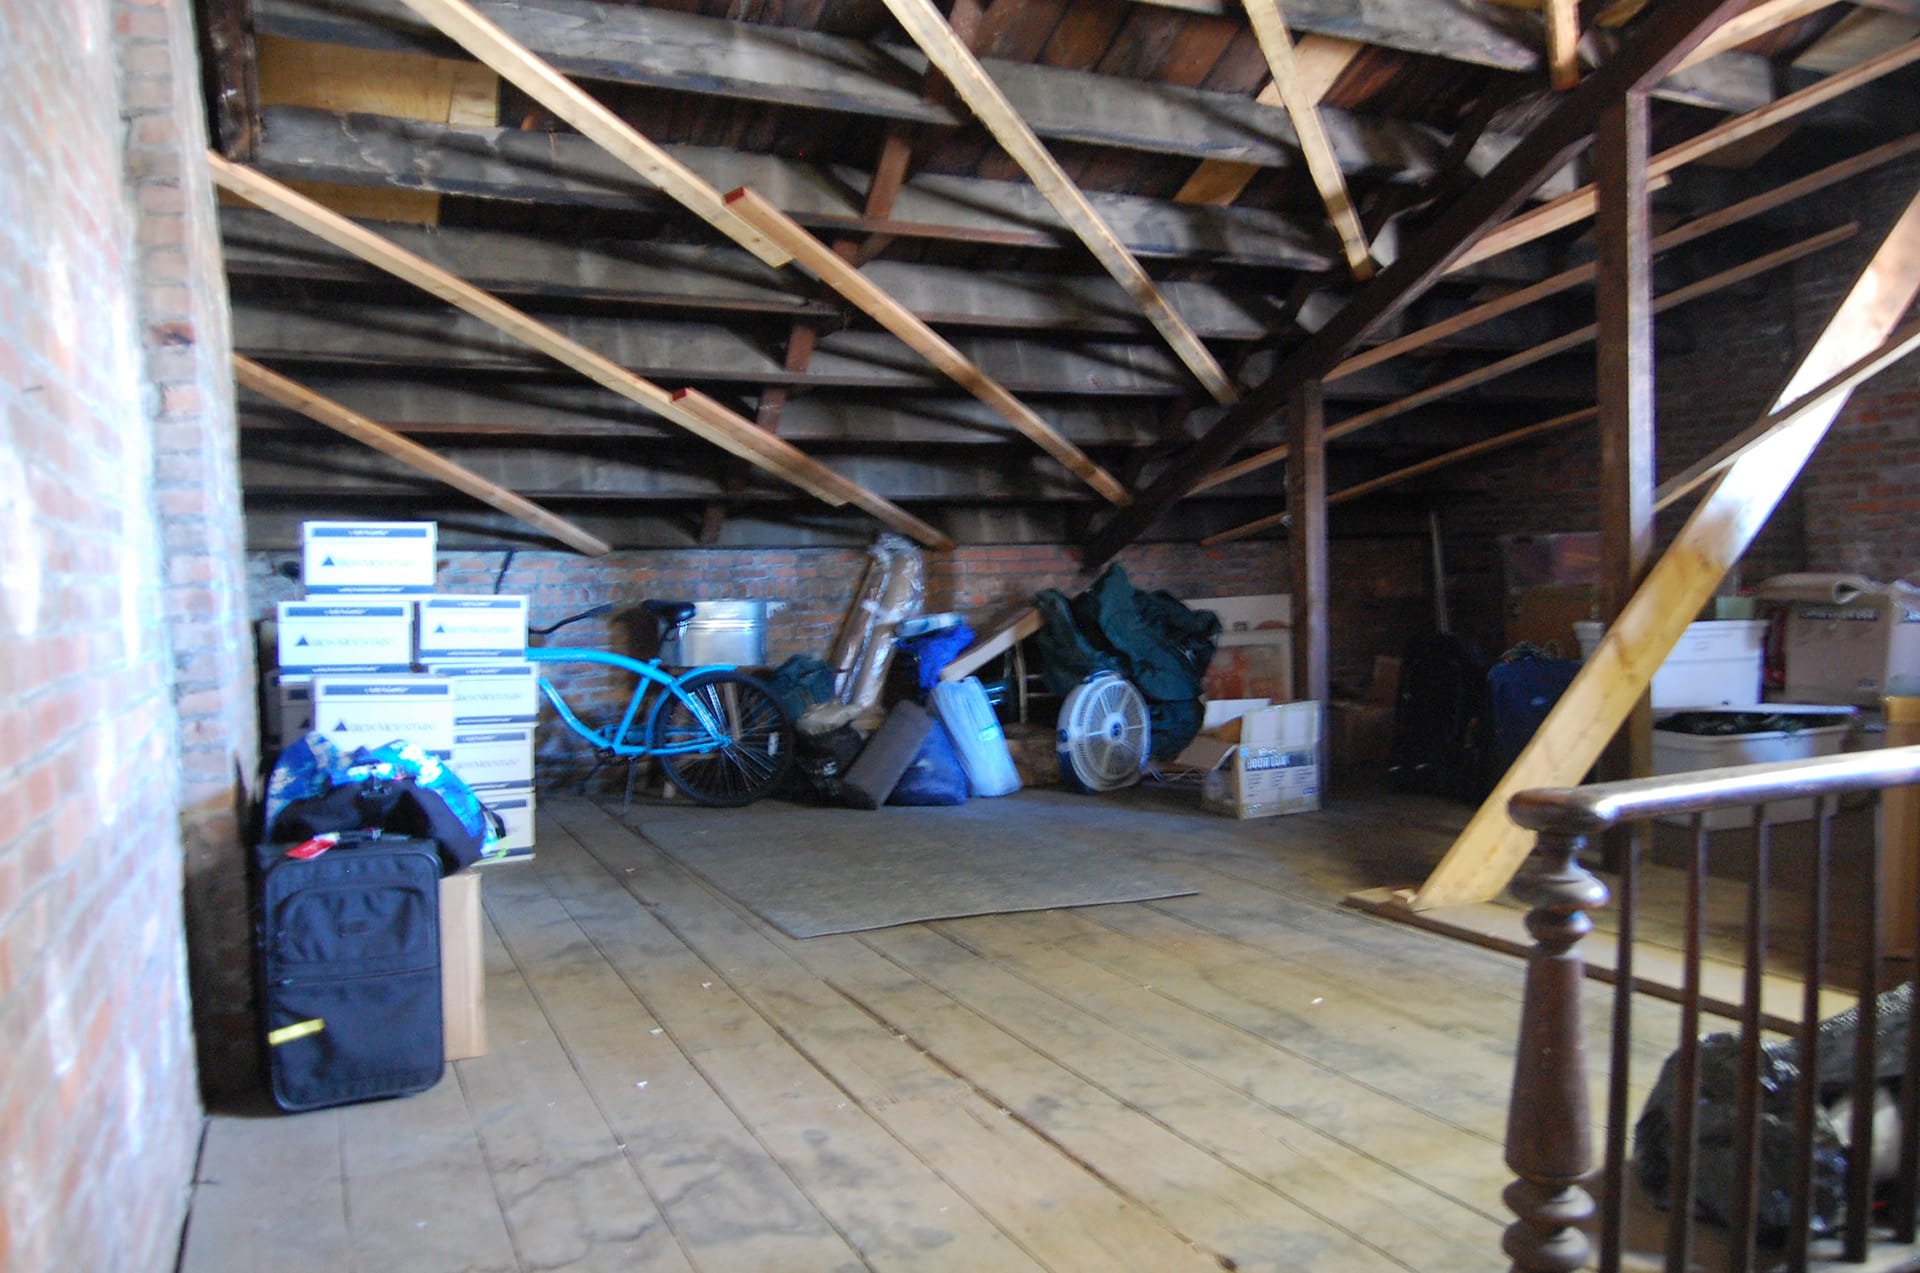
point(651, 678)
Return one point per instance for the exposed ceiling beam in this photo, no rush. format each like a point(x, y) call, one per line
point(683, 52)
point(1562, 19)
point(413, 456)
point(1270, 30)
point(925, 25)
point(1459, 455)
point(738, 437)
point(1665, 36)
point(1318, 61)
point(512, 62)
point(1765, 16)
point(860, 291)
point(1579, 205)
point(1718, 219)
point(1558, 345)
point(558, 168)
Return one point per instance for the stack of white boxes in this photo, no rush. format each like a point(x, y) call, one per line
point(373, 654)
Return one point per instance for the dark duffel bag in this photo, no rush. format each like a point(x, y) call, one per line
point(349, 958)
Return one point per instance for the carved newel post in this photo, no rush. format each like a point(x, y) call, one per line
point(1549, 1133)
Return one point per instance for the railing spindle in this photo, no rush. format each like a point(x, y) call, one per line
point(1686, 1074)
point(1860, 1157)
point(1747, 1100)
point(1906, 1193)
point(1613, 1200)
point(1549, 1124)
point(1807, 1099)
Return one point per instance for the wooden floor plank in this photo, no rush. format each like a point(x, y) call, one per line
point(258, 1170)
point(1390, 1211)
point(571, 1197)
point(1044, 1200)
point(418, 1194)
point(894, 1211)
point(727, 1200)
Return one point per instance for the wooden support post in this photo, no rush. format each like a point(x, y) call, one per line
point(1270, 30)
point(832, 269)
point(325, 411)
point(1307, 549)
point(706, 419)
point(1623, 307)
point(1563, 42)
point(970, 80)
point(1899, 858)
point(1491, 847)
point(1549, 1122)
point(458, 21)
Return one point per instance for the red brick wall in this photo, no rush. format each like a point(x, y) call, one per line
point(98, 1115)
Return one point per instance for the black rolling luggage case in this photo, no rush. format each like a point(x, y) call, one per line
point(350, 970)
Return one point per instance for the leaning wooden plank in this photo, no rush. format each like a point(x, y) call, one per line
point(699, 406)
point(1270, 30)
point(289, 394)
point(1511, 438)
point(1675, 488)
point(930, 31)
point(1539, 353)
point(1009, 634)
point(1487, 853)
point(1571, 208)
point(736, 436)
point(833, 270)
point(458, 20)
point(1718, 219)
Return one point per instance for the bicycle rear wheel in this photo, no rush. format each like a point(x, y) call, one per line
point(758, 750)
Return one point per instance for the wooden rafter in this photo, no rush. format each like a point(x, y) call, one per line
point(288, 393)
point(1665, 37)
point(1569, 209)
point(1491, 848)
point(1459, 455)
point(1318, 61)
point(833, 270)
point(1270, 30)
point(723, 429)
point(948, 52)
point(1768, 15)
point(1699, 227)
point(1527, 357)
point(515, 63)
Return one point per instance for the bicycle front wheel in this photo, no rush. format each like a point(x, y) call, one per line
point(740, 735)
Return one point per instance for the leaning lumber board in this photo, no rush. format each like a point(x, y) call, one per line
point(287, 393)
point(1009, 634)
point(1483, 860)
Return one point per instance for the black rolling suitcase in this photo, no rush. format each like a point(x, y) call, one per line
point(349, 946)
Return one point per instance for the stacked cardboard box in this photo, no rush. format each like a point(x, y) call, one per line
point(372, 654)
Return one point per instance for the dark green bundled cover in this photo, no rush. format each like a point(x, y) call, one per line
point(1153, 640)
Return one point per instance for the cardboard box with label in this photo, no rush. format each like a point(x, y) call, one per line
point(493, 758)
point(492, 691)
point(1271, 768)
point(515, 808)
point(1858, 651)
point(371, 711)
point(368, 559)
point(480, 627)
point(374, 637)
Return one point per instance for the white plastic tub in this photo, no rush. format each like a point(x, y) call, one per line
point(1683, 753)
point(1717, 662)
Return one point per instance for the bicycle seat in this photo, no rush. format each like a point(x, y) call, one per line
point(669, 614)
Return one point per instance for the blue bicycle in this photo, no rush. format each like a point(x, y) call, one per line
point(720, 736)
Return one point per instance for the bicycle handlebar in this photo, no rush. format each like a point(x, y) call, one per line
point(591, 612)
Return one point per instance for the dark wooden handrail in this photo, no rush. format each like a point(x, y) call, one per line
point(1549, 1129)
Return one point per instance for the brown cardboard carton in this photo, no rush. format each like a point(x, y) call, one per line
point(462, 974)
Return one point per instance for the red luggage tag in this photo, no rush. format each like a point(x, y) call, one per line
point(307, 850)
